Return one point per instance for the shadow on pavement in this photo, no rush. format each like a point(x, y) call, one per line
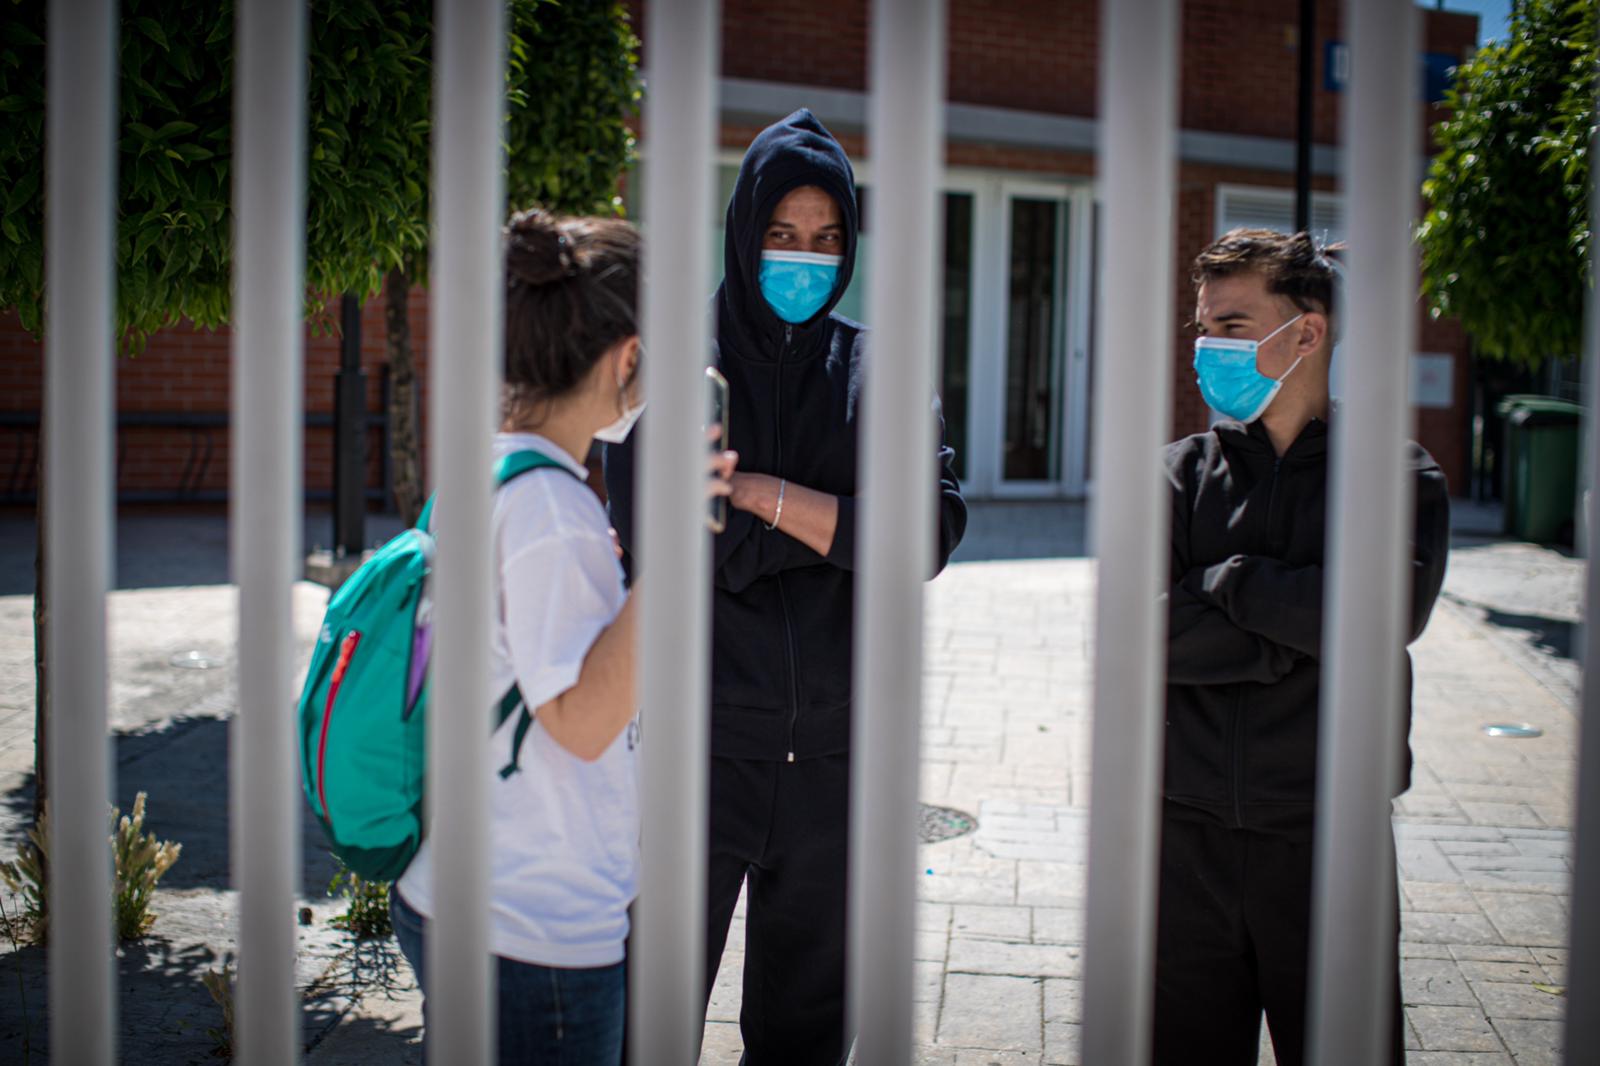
point(166, 1014)
point(161, 550)
point(1550, 636)
point(372, 971)
point(1023, 529)
point(165, 1010)
point(183, 770)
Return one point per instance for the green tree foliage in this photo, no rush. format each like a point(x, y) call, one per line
point(1505, 242)
point(571, 86)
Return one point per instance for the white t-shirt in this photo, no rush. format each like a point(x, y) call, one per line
point(564, 833)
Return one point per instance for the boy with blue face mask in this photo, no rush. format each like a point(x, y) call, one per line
point(1244, 648)
point(782, 608)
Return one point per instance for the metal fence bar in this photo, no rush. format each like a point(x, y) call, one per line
point(80, 231)
point(467, 297)
point(666, 994)
point(906, 126)
point(1583, 956)
point(265, 504)
point(1370, 502)
point(1138, 105)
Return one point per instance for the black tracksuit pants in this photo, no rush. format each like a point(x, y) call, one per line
point(1233, 939)
point(784, 828)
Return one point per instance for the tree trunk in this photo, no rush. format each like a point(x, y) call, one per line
point(405, 456)
point(41, 617)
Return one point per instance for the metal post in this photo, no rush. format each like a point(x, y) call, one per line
point(467, 301)
point(269, 205)
point(907, 138)
point(265, 522)
point(80, 234)
point(1306, 115)
point(666, 994)
point(1583, 956)
point(1138, 104)
point(350, 436)
point(1353, 942)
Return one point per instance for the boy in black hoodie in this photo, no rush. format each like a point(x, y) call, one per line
point(1244, 649)
point(784, 585)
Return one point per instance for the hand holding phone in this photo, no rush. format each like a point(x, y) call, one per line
point(722, 460)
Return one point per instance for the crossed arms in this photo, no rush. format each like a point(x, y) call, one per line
point(1252, 617)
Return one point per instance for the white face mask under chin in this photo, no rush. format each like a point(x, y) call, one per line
point(618, 431)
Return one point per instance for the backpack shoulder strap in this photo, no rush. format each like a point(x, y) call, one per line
point(518, 463)
point(509, 703)
point(510, 466)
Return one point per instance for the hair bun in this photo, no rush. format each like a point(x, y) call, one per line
point(537, 251)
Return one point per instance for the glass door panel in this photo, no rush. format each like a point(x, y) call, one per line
point(1031, 447)
point(955, 384)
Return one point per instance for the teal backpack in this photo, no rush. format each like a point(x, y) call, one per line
point(363, 711)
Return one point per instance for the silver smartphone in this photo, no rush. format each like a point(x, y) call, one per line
point(717, 439)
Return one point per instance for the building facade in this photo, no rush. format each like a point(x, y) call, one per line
point(1021, 236)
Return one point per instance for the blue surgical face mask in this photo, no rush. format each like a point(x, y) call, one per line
point(798, 284)
point(1229, 379)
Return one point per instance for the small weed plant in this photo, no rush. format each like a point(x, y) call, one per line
point(220, 984)
point(138, 861)
point(366, 914)
point(27, 876)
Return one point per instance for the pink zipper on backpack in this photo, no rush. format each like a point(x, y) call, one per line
point(347, 649)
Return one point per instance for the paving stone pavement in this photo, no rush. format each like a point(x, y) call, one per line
point(1484, 853)
point(1482, 837)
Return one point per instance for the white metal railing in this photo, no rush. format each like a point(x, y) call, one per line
point(1370, 503)
point(898, 500)
point(80, 355)
point(265, 513)
point(1354, 910)
point(467, 293)
point(1138, 102)
point(1583, 943)
point(668, 968)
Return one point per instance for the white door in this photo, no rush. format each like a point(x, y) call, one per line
point(1034, 416)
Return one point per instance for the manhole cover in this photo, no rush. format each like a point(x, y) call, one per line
point(944, 823)
point(194, 660)
point(1513, 729)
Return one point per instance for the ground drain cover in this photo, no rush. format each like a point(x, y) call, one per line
point(944, 823)
point(1513, 729)
point(194, 660)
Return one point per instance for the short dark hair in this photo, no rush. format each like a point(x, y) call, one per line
point(572, 293)
point(1293, 265)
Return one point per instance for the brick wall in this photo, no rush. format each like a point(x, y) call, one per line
point(186, 371)
point(1239, 68)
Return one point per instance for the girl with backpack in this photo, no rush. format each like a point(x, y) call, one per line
point(564, 834)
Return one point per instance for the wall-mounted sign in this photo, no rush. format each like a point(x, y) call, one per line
point(1434, 76)
point(1433, 379)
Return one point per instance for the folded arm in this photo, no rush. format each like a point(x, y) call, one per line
point(1268, 597)
point(818, 527)
point(1205, 646)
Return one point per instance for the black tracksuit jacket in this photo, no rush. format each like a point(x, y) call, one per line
point(781, 613)
point(1244, 644)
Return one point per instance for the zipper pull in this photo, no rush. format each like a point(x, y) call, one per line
point(788, 337)
point(790, 758)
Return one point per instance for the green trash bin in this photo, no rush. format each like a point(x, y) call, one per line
point(1542, 440)
point(1506, 467)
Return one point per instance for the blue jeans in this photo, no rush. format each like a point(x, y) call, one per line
point(548, 1016)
